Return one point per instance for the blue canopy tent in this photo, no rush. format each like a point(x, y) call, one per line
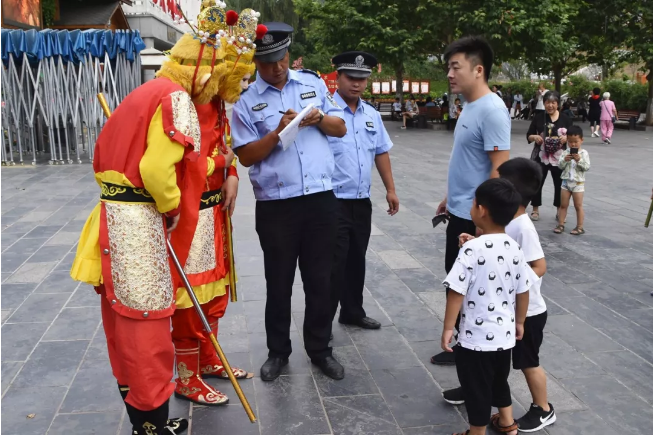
point(50, 80)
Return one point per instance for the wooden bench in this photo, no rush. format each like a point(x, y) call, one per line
point(631, 117)
point(434, 114)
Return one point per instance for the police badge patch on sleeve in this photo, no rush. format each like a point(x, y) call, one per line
point(259, 107)
point(332, 100)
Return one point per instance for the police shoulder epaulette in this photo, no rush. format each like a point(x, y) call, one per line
point(310, 72)
point(365, 101)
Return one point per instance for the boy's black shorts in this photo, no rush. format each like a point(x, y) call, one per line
point(483, 377)
point(526, 353)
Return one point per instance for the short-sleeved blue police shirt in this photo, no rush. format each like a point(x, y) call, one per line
point(354, 153)
point(306, 167)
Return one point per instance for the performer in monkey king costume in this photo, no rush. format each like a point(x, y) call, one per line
point(151, 166)
point(207, 267)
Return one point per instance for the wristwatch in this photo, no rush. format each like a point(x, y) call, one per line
point(321, 112)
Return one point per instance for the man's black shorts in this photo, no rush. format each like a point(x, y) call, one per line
point(526, 353)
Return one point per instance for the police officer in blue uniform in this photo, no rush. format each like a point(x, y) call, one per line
point(366, 143)
point(296, 207)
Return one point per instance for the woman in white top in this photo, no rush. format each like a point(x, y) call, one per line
point(518, 99)
point(411, 110)
point(541, 90)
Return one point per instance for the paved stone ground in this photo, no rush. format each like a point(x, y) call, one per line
point(598, 348)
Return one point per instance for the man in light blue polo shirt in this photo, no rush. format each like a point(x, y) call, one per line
point(481, 143)
point(296, 208)
point(366, 143)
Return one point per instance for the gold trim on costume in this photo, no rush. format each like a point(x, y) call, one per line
point(139, 268)
point(201, 257)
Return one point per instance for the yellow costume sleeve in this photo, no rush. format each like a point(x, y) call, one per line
point(157, 166)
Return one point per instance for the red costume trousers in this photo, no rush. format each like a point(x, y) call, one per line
point(187, 326)
point(142, 356)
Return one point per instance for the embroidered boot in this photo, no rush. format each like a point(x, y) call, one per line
point(210, 363)
point(172, 426)
point(189, 383)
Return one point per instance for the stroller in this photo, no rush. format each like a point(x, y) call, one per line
point(525, 113)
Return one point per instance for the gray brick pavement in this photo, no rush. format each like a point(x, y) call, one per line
point(598, 348)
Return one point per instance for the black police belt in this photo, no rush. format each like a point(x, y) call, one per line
point(125, 194)
point(211, 199)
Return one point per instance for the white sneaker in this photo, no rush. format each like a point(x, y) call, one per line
point(595, 135)
point(608, 141)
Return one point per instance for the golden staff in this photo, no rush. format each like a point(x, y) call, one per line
point(196, 304)
point(232, 267)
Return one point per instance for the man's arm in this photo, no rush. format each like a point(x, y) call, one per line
point(333, 126)
point(384, 167)
point(256, 151)
point(157, 166)
point(497, 158)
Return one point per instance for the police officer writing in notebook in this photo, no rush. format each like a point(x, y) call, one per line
point(295, 207)
point(365, 144)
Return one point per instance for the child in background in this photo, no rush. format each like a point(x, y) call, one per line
point(574, 163)
point(489, 284)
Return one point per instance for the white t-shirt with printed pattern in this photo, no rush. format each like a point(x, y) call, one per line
point(490, 271)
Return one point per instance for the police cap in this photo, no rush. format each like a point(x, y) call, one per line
point(357, 64)
point(273, 46)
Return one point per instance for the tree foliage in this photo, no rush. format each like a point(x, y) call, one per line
point(385, 28)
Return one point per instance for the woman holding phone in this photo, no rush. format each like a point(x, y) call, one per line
point(547, 133)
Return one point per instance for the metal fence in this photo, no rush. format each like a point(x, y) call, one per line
point(50, 79)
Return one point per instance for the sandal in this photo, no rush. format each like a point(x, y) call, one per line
point(559, 229)
point(535, 216)
point(578, 231)
point(494, 423)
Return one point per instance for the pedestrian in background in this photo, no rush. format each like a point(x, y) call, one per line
point(594, 114)
point(608, 118)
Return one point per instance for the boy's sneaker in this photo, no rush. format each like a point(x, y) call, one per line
point(454, 396)
point(536, 419)
point(444, 358)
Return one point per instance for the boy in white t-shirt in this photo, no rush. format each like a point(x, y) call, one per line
point(526, 176)
point(489, 285)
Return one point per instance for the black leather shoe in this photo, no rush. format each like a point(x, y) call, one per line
point(271, 369)
point(366, 323)
point(331, 368)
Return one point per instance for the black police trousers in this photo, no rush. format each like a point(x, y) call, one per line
point(348, 277)
point(301, 228)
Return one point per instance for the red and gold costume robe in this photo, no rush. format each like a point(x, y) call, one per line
point(147, 163)
point(208, 272)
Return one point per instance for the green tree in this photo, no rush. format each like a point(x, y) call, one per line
point(386, 28)
point(628, 27)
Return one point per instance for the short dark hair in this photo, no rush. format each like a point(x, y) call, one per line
point(476, 49)
point(552, 95)
point(524, 174)
point(575, 131)
point(429, 99)
point(500, 198)
point(397, 98)
point(596, 91)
